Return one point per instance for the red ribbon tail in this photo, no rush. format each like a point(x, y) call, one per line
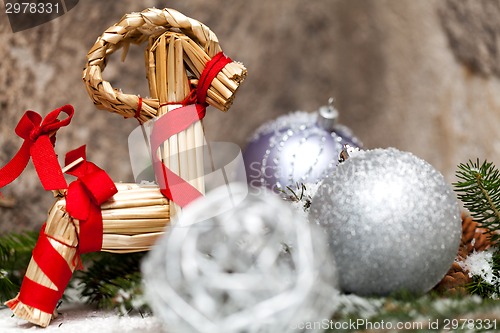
point(174, 187)
point(91, 232)
point(47, 167)
point(15, 167)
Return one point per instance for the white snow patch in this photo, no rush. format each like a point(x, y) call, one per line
point(480, 264)
point(82, 318)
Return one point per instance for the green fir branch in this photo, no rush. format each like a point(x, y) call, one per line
point(480, 287)
point(479, 190)
point(15, 254)
point(113, 281)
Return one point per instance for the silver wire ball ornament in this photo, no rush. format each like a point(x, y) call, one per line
point(297, 147)
point(393, 222)
point(255, 267)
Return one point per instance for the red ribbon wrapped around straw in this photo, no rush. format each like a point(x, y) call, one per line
point(83, 199)
point(171, 185)
point(54, 267)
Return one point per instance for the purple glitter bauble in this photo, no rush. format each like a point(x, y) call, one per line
point(295, 148)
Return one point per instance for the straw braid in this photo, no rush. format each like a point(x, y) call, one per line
point(137, 28)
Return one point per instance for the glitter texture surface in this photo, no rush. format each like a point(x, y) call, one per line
point(294, 148)
point(393, 222)
point(258, 267)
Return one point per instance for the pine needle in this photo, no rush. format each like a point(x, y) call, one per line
point(479, 190)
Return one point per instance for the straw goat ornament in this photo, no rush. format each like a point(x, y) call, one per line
point(186, 71)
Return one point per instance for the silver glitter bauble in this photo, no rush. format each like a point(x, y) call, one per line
point(255, 267)
point(392, 221)
point(297, 147)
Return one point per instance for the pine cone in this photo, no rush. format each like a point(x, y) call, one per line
point(454, 281)
point(473, 239)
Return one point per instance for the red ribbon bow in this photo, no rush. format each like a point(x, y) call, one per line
point(171, 185)
point(39, 140)
point(84, 198)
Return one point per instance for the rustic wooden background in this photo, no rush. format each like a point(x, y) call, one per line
point(422, 76)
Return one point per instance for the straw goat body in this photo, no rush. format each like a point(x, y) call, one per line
point(178, 50)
